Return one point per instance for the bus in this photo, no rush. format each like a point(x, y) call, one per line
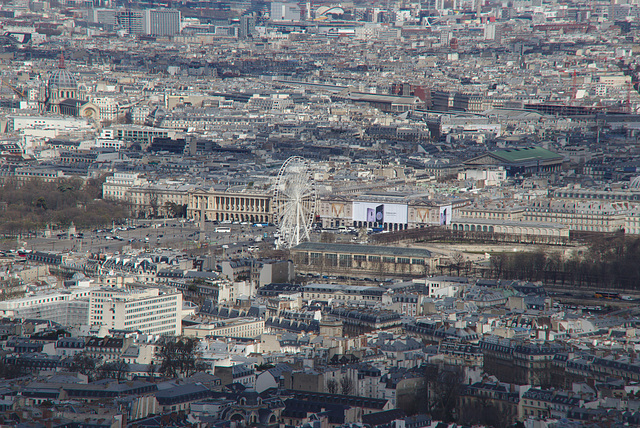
point(223, 230)
point(606, 295)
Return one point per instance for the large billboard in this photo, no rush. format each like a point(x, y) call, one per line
point(380, 213)
point(445, 215)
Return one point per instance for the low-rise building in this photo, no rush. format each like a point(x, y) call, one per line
point(342, 293)
point(364, 260)
point(238, 328)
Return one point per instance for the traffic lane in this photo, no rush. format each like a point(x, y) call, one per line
point(169, 236)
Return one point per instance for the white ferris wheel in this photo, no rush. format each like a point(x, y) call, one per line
point(295, 202)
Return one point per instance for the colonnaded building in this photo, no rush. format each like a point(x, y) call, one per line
point(223, 205)
point(387, 211)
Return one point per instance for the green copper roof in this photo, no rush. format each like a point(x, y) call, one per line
point(526, 154)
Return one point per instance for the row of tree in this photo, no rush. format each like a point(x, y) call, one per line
point(32, 204)
point(179, 356)
point(343, 386)
point(605, 263)
point(91, 367)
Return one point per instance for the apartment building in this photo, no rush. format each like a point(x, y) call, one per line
point(238, 328)
point(584, 216)
point(106, 348)
point(118, 185)
point(343, 293)
point(161, 22)
point(148, 310)
point(69, 307)
point(498, 211)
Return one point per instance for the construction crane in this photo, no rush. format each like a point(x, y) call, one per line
point(13, 88)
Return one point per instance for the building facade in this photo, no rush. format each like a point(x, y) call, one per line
point(239, 328)
point(369, 260)
point(149, 310)
point(214, 205)
point(162, 22)
point(399, 212)
point(118, 185)
point(66, 307)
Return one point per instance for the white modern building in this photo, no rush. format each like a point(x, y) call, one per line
point(68, 307)
point(109, 144)
point(53, 122)
point(104, 16)
point(162, 22)
point(285, 11)
point(149, 310)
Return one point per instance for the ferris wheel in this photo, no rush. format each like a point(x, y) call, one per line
point(295, 202)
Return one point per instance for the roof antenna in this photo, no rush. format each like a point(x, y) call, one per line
point(61, 61)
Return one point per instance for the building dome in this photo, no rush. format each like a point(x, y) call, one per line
point(62, 79)
point(635, 183)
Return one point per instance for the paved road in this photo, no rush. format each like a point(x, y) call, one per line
point(155, 234)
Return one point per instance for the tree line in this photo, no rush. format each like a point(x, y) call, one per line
point(31, 205)
point(606, 262)
point(178, 357)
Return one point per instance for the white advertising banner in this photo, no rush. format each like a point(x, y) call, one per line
point(445, 215)
point(380, 213)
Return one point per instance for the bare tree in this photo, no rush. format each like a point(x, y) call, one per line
point(153, 203)
point(457, 260)
point(444, 384)
point(152, 371)
point(180, 357)
point(84, 364)
point(346, 385)
point(113, 370)
point(332, 386)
